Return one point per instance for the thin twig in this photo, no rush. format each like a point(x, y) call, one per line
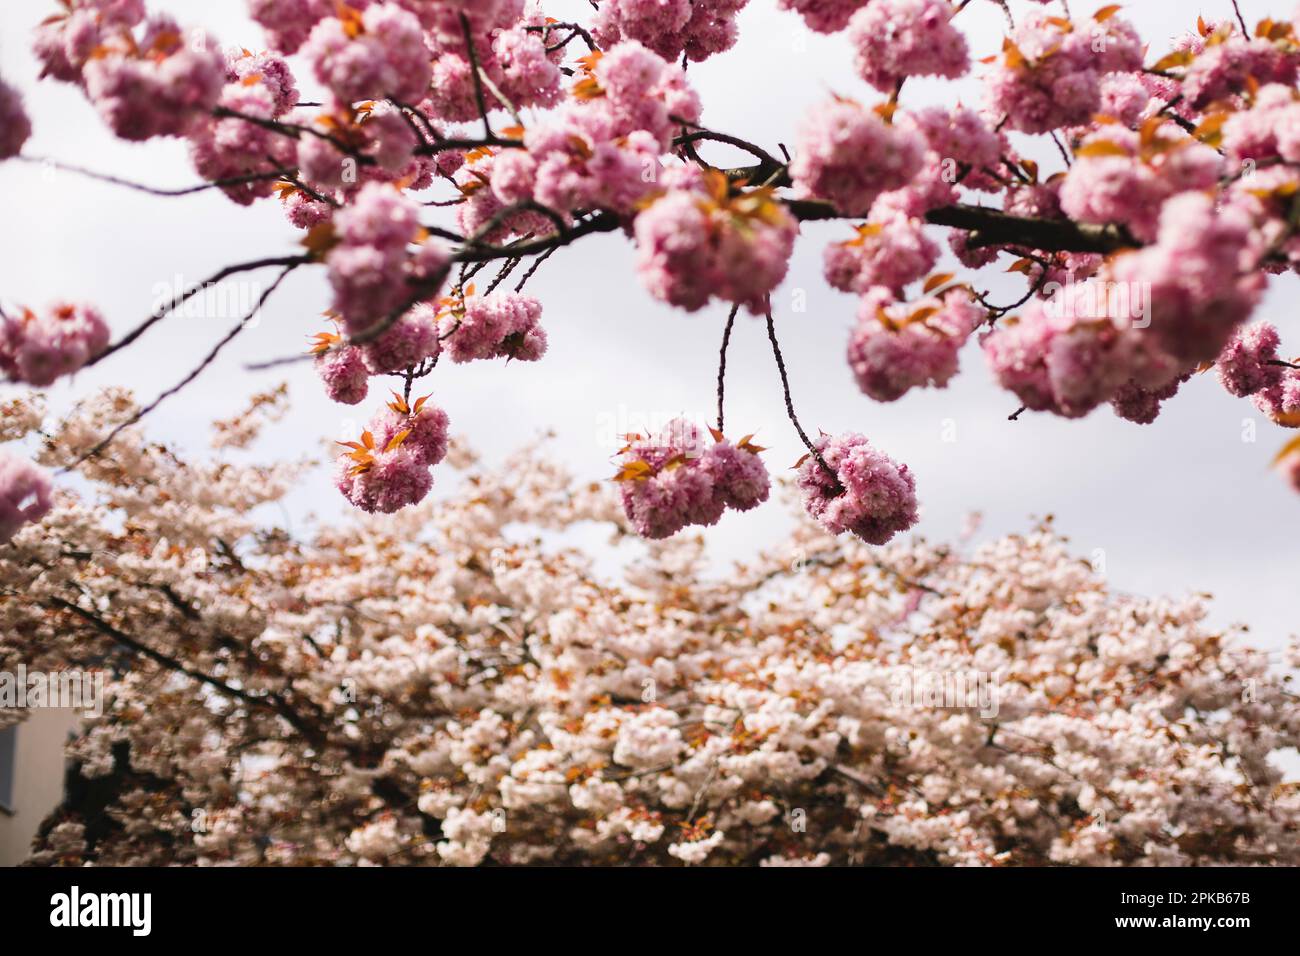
point(181, 298)
point(207, 360)
point(789, 402)
point(1245, 30)
point(153, 190)
point(477, 72)
point(722, 363)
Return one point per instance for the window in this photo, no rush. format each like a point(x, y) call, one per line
point(8, 759)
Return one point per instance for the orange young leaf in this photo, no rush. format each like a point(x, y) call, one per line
point(937, 280)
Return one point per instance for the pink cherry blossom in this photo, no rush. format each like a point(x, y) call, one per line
point(395, 480)
point(679, 477)
point(1121, 176)
point(1050, 73)
point(890, 250)
point(158, 85)
point(25, 494)
point(39, 349)
point(379, 54)
point(288, 23)
point(824, 16)
point(15, 127)
point(865, 492)
point(1243, 365)
point(697, 28)
point(692, 246)
point(372, 266)
point(424, 425)
point(848, 155)
point(895, 39)
point(500, 325)
point(344, 373)
point(898, 346)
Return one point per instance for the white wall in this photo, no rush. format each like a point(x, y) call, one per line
point(38, 787)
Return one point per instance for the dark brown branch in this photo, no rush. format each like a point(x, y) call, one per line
point(993, 227)
point(271, 701)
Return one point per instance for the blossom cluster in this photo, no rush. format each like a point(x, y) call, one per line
point(1051, 69)
point(704, 238)
point(897, 346)
point(677, 478)
point(849, 486)
point(848, 155)
point(39, 348)
point(1250, 366)
point(372, 268)
point(671, 28)
point(1147, 250)
point(498, 325)
point(1146, 320)
point(455, 685)
point(147, 77)
point(389, 468)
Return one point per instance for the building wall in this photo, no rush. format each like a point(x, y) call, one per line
point(38, 783)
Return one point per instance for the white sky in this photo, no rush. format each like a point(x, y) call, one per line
point(1181, 505)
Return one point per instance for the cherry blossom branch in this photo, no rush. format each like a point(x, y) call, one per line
point(272, 701)
point(577, 30)
point(181, 298)
point(476, 71)
point(195, 373)
point(153, 190)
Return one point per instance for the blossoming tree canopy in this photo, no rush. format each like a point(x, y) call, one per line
point(456, 146)
point(422, 687)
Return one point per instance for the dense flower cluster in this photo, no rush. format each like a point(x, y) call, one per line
point(372, 268)
point(236, 149)
point(708, 239)
point(849, 486)
point(39, 348)
point(696, 28)
point(1123, 176)
point(25, 494)
point(678, 477)
point(895, 39)
point(1250, 366)
point(457, 136)
point(848, 155)
point(344, 373)
point(897, 346)
point(1145, 320)
point(891, 249)
point(158, 84)
point(499, 325)
point(454, 685)
point(1051, 69)
point(377, 53)
point(824, 16)
point(389, 468)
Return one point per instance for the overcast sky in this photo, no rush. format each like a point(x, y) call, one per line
point(1181, 505)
